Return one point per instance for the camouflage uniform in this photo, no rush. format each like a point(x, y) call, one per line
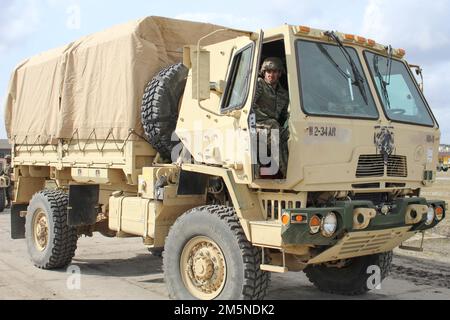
point(271, 111)
point(7, 171)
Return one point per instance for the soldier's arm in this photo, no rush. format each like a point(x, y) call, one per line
point(258, 92)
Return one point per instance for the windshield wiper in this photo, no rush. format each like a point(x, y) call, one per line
point(384, 84)
point(389, 64)
point(358, 78)
point(333, 62)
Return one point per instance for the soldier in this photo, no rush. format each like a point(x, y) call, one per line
point(271, 108)
point(7, 171)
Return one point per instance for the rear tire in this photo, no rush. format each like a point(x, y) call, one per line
point(51, 242)
point(351, 280)
point(220, 263)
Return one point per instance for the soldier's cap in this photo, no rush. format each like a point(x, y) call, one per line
point(272, 63)
point(8, 157)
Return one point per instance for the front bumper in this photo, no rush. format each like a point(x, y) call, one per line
point(397, 218)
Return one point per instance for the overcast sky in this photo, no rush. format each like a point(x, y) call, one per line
point(28, 27)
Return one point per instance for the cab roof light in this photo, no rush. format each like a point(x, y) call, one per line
point(304, 29)
point(361, 39)
point(349, 37)
point(401, 53)
point(371, 43)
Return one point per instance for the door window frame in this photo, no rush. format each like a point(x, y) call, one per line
point(224, 108)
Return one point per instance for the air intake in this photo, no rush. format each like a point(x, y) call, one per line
point(370, 166)
point(397, 167)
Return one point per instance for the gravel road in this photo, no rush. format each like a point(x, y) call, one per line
point(123, 269)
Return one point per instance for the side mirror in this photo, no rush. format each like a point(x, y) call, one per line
point(199, 61)
point(419, 72)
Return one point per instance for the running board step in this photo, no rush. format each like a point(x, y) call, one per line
point(275, 269)
point(415, 249)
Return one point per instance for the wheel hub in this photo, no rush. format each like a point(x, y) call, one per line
point(41, 231)
point(203, 268)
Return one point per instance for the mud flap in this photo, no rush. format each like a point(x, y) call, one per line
point(192, 183)
point(83, 206)
point(17, 221)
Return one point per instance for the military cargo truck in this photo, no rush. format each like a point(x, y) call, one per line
point(180, 168)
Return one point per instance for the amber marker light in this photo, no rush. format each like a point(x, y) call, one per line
point(349, 37)
point(439, 213)
point(285, 219)
point(361, 40)
point(314, 224)
point(401, 53)
point(371, 43)
point(304, 29)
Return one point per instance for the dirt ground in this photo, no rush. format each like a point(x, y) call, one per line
point(441, 191)
point(123, 269)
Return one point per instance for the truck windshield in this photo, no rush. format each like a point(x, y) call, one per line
point(401, 99)
point(328, 83)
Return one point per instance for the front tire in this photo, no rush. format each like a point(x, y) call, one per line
point(51, 242)
point(207, 257)
point(352, 277)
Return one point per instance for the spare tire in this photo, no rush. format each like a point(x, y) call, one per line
point(160, 108)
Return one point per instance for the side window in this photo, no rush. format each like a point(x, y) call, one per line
point(236, 92)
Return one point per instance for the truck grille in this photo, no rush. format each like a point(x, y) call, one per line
point(274, 208)
point(397, 167)
point(273, 204)
point(370, 166)
point(373, 166)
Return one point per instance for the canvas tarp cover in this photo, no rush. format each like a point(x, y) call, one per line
point(93, 87)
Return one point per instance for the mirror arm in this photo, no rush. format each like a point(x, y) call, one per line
point(251, 35)
point(419, 72)
point(198, 70)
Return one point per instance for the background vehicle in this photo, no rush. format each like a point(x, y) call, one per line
point(360, 151)
point(442, 167)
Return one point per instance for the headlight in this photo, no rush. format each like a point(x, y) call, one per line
point(329, 225)
point(430, 216)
